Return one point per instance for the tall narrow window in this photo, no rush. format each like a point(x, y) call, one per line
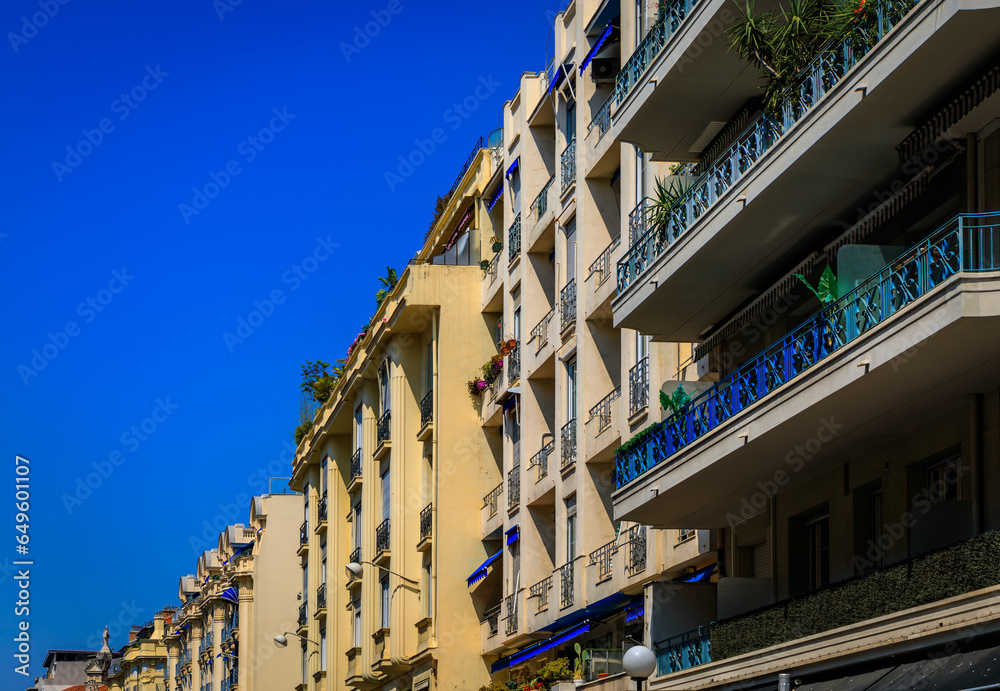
point(357, 623)
point(571, 390)
point(357, 527)
point(641, 346)
point(571, 529)
point(641, 181)
point(384, 386)
point(322, 649)
point(357, 428)
point(429, 368)
point(386, 493)
point(305, 507)
point(427, 594)
point(818, 551)
point(322, 574)
point(305, 664)
point(570, 124)
point(384, 587)
point(570, 232)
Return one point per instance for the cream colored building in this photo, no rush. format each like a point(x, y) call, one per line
point(242, 594)
point(142, 665)
point(392, 470)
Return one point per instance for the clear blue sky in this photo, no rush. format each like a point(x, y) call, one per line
point(113, 114)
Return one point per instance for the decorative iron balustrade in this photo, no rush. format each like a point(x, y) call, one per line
point(384, 433)
point(684, 651)
point(541, 460)
point(541, 591)
point(566, 583)
point(304, 534)
point(601, 267)
point(661, 227)
point(427, 408)
point(541, 203)
point(635, 546)
point(568, 444)
point(672, 15)
point(567, 305)
point(567, 165)
point(601, 558)
point(303, 614)
point(493, 619)
point(321, 508)
point(602, 118)
point(491, 500)
point(321, 596)
point(602, 411)
point(425, 521)
point(540, 331)
point(355, 557)
point(491, 269)
point(356, 465)
point(382, 536)
point(638, 386)
point(510, 618)
point(468, 164)
point(514, 487)
point(514, 240)
point(514, 365)
point(967, 243)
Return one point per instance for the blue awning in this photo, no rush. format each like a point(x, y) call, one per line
point(597, 46)
point(558, 77)
point(513, 535)
point(513, 167)
point(231, 595)
point(540, 647)
point(480, 573)
point(701, 574)
point(496, 198)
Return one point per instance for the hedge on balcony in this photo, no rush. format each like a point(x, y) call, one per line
point(955, 570)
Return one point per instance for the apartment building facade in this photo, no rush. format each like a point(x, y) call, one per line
point(844, 439)
point(239, 598)
point(390, 474)
point(142, 663)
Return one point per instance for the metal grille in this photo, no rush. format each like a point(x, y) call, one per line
point(638, 386)
point(541, 203)
point(540, 331)
point(602, 119)
point(427, 408)
point(491, 269)
point(510, 618)
point(356, 464)
point(321, 597)
point(514, 487)
point(567, 305)
point(493, 619)
point(303, 613)
point(491, 500)
point(514, 364)
point(567, 165)
point(383, 427)
point(355, 556)
point(601, 558)
point(601, 267)
point(602, 411)
point(382, 536)
point(541, 459)
point(304, 533)
point(321, 508)
point(425, 521)
point(541, 591)
point(636, 562)
point(568, 444)
point(514, 240)
point(566, 585)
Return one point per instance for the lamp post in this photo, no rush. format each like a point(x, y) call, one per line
point(281, 639)
point(639, 662)
point(354, 570)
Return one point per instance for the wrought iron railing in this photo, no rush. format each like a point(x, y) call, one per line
point(663, 226)
point(601, 558)
point(602, 118)
point(493, 619)
point(540, 331)
point(425, 521)
point(566, 585)
point(601, 267)
point(384, 424)
point(567, 305)
point(635, 546)
point(541, 203)
point(514, 240)
point(966, 243)
point(514, 365)
point(603, 410)
point(468, 164)
point(321, 508)
point(541, 591)
point(321, 596)
point(382, 536)
point(356, 465)
point(510, 614)
point(567, 165)
point(427, 408)
point(541, 459)
point(494, 387)
point(355, 556)
point(684, 651)
point(303, 613)
point(513, 487)
point(638, 386)
point(491, 500)
point(568, 438)
point(671, 17)
point(491, 269)
point(304, 533)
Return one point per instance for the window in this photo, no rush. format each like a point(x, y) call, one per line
point(386, 493)
point(357, 526)
point(640, 176)
point(571, 529)
point(384, 586)
point(323, 465)
point(641, 346)
point(427, 595)
point(570, 233)
point(305, 506)
point(571, 390)
point(322, 573)
point(322, 649)
point(818, 551)
point(305, 664)
point(357, 429)
point(383, 381)
point(429, 368)
point(357, 623)
point(570, 121)
point(305, 585)
point(942, 480)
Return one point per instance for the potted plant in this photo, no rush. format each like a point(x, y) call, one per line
point(484, 264)
point(581, 661)
point(601, 674)
point(497, 243)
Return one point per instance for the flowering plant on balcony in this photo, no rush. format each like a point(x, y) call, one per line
point(507, 346)
point(490, 372)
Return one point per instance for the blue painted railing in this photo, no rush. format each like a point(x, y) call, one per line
point(966, 243)
point(663, 227)
point(684, 651)
point(672, 15)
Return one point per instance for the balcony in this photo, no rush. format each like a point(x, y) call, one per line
point(600, 560)
point(382, 540)
point(303, 614)
point(541, 234)
point(604, 427)
point(684, 651)
point(491, 519)
point(514, 365)
point(426, 416)
point(355, 558)
point(303, 537)
point(510, 615)
point(568, 445)
point(541, 460)
point(567, 306)
point(514, 488)
point(602, 118)
point(492, 620)
point(356, 471)
point(541, 348)
point(567, 167)
point(514, 243)
point(930, 294)
point(600, 290)
point(567, 585)
point(383, 435)
point(635, 550)
point(321, 600)
point(638, 387)
point(321, 509)
point(426, 527)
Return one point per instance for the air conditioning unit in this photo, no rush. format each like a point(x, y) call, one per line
point(604, 69)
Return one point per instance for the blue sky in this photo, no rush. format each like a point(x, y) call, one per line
point(165, 165)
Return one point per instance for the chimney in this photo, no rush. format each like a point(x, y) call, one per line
point(133, 634)
point(158, 626)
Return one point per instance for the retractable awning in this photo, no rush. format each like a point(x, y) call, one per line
point(609, 31)
point(480, 573)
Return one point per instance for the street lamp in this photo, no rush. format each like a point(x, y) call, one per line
point(281, 640)
point(354, 570)
point(639, 662)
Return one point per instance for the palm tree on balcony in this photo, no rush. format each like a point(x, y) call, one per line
point(389, 281)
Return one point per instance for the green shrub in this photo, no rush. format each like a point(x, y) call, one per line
point(557, 670)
